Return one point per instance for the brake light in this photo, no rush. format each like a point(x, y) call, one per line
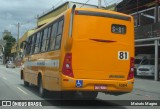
point(76, 12)
point(131, 71)
point(67, 65)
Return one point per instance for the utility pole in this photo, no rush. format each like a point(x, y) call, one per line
point(2, 51)
point(18, 26)
point(156, 75)
point(99, 3)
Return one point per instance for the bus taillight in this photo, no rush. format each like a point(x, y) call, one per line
point(131, 71)
point(67, 65)
point(76, 12)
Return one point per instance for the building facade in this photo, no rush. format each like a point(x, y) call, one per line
point(146, 15)
point(6, 33)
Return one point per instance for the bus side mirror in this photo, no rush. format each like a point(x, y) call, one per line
point(23, 44)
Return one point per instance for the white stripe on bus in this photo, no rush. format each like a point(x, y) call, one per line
point(49, 63)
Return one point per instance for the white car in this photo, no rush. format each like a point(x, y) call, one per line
point(139, 59)
point(146, 68)
point(138, 62)
point(10, 64)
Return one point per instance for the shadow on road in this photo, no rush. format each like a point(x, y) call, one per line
point(145, 77)
point(56, 99)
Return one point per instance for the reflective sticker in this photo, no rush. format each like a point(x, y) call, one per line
point(48, 63)
point(79, 83)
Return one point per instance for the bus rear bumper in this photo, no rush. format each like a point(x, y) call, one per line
point(107, 86)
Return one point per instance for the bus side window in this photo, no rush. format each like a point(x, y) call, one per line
point(47, 39)
point(44, 40)
point(53, 36)
point(33, 44)
point(28, 48)
point(37, 43)
point(25, 49)
point(59, 35)
point(40, 41)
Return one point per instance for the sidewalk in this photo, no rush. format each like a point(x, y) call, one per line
point(147, 85)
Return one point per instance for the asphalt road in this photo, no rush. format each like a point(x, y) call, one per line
point(12, 88)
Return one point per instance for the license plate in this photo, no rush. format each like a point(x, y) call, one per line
point(100, 87)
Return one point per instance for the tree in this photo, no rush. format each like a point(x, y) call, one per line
point(10, 41)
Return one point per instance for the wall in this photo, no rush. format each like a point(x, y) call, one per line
point(48, 17)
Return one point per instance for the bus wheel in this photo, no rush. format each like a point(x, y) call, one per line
point(26, 83)
point(42, 91)
point(89, 95)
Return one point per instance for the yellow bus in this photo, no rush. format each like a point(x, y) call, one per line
point(82, 50)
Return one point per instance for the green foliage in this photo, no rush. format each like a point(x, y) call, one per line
point(10, 41)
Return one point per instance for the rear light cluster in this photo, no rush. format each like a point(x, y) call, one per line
point(76, 12)
point(131, 71)
point(67, 65)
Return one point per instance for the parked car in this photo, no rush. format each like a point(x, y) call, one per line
point(147, 68)
point(10, 64)
point(139, 59)
point(137, 64)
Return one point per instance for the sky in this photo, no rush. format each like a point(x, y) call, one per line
point(25, 12)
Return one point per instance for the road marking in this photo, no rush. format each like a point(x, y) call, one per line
point(22, 91)
point(1, 74)
point(4, 78)
point(13, 71)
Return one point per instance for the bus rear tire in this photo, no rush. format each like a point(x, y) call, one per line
point(89, 95)
point(26, 83)
point(42, 91)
